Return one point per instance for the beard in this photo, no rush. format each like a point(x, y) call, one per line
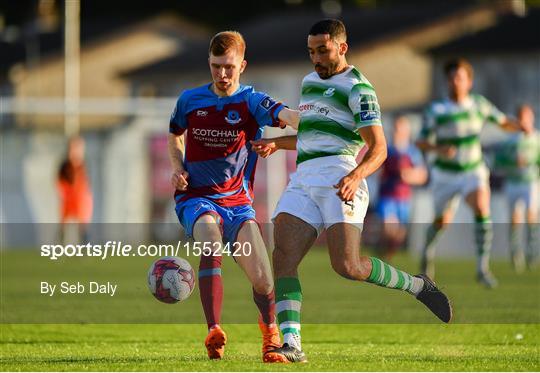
point(326, 72)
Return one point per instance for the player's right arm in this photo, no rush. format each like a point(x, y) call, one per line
point(179, 177)
point(374, 158)
point(365, 107)
point(175, 146)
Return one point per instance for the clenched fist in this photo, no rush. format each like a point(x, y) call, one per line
point(179, 180)
point(264, 147)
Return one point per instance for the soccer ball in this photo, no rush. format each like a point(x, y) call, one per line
point(171, 279)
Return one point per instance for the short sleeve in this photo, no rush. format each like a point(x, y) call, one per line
point(177, 123)
point(364, 106)
point(489, 112)
point(265, 109)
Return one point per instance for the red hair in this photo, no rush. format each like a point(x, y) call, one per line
point(226, 41)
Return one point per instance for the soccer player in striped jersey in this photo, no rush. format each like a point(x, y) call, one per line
point(519, 158)
point(339, 112)
point(214, 176)
point(452, 129)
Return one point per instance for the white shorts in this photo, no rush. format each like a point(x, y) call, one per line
point(526, 193)
point(447, 186)
point(310, 194)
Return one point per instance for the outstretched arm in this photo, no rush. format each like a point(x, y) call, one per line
point(375, 156)
point(511, 125)
point(290, 117)
point(266, 147)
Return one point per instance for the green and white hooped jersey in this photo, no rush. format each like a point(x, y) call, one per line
point(520, 148)
point(449, 123)
point(332, 110)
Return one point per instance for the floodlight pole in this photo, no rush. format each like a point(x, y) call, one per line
point(72, 67)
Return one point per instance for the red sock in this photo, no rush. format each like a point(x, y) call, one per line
point(211, 288)
point(267, 306)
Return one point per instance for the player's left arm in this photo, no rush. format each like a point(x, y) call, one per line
point(266, 147)
point(269, 112)
point(290, 117)
point(494, 115)
point(511, 125)
point(375, 156)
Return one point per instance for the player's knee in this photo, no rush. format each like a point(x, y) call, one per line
point(346, 269)
point(441, 222)
point(263, 286)
point(249, 226)
point(207, 226)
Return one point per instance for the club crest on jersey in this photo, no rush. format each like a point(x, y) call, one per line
point(202, 113)
point(329, 92)
point(233, 117)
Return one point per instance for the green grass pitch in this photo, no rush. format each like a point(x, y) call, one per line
point(368, 329)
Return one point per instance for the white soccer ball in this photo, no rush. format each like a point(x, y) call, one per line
point(171, 279)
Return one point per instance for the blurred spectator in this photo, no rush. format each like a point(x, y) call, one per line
point(76, 200)
point(403, 168)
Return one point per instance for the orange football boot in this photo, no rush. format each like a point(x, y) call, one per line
point(215, 342)
point(271, 341)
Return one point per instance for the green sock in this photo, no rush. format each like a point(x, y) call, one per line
point(533, 238)
point(383, 274)
point(483, 232)
point(515, 244)
point(288, 304)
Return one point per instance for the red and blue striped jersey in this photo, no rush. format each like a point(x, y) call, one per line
point(218, 154)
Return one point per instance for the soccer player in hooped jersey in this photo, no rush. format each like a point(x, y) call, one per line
point(452, 129)
point(339, 112)
point(213, 179)
point(519, 158)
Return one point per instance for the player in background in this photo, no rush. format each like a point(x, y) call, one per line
point(403, 168)
point(339, 112)
point(213, 177)
point(73, 184)
point(519, 158)
point(452, 129)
